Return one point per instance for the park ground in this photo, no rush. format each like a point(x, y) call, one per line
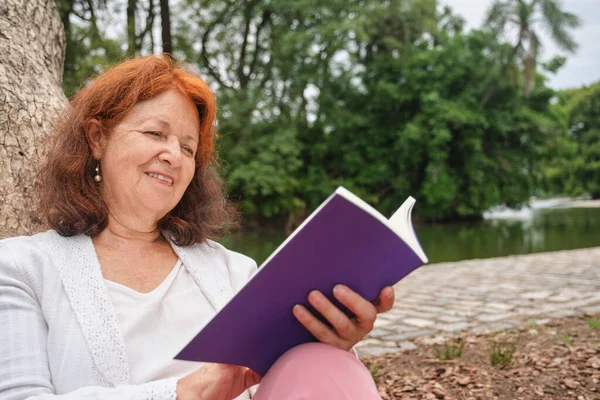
point(551, 359)
point(521, 327)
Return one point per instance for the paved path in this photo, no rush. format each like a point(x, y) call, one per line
point(442, 300)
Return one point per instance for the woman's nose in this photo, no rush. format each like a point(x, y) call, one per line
point(171, 153)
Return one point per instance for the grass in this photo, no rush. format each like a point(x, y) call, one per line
point(566, 339)
point(450, 350)
point(533, 323)
point(502, 354)
point(594, 324)
point(375, 372)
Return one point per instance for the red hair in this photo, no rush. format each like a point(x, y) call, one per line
point(72, 202)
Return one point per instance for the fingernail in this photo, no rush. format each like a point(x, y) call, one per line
point(298, 309)
point(339, 289)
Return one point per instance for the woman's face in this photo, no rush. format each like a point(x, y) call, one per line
point(148, 160)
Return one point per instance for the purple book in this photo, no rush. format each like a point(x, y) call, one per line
point(344, 241)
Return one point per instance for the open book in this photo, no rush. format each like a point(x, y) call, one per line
point(344, 241)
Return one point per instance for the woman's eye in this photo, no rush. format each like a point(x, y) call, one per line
point(153, 133)
point(188, 150)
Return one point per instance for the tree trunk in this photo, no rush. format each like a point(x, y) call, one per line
point(165, 22)
point(530, 66)
point(131, 31)
point(32, 45)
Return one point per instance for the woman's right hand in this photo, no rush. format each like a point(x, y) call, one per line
point(216, 382)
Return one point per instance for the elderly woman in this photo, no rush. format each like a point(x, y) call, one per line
point(98, 306)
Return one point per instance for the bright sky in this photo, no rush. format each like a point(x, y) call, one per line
point(583, 67)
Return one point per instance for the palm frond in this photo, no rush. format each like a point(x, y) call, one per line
point(537, 45)
point(525, 13)
point(559, 23)
point(498, 14)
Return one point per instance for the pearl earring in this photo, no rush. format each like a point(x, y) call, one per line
point(97, 177)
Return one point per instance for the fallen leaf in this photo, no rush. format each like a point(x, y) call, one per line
point(408, 388)
point(593, 362)
point(571, 383)
point(463, 380)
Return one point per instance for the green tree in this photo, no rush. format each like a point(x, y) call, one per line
point(572, 165)
point(584, 122)
point(87, 48)
point(268, 54)
point(526, 17)
point(387, 98)
point(418, 126)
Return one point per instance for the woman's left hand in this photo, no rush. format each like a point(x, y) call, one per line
point(344, 332)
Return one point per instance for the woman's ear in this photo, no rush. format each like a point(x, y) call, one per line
point(95, 137)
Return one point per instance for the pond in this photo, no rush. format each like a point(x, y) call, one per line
point(540, 230)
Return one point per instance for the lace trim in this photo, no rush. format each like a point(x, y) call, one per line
point(165, 389)
point(211, 276)
point(83, 282)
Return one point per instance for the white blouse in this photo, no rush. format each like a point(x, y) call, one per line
point(158, 324)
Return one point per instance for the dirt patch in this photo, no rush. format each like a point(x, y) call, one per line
point(557, 360)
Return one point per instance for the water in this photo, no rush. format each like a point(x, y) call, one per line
point(537, 231)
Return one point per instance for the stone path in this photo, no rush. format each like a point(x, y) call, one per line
point(441, 300)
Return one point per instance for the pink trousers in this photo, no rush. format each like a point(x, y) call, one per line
point(317, 371)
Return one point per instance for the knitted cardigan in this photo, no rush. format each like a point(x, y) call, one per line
point(59, 332)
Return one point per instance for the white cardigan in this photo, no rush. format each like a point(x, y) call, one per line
point(59, 333)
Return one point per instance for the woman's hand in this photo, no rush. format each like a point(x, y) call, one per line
point(345, 332)
point(216, 382)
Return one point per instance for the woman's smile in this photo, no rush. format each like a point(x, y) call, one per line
point(165, 180)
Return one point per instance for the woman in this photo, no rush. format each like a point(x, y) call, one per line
point(99, 305)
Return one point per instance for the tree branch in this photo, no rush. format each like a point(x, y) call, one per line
point(268, 73)
point(80, 16)
point(93, 20)
point(243, 79)
point(265, 20)
point(149, 24)
point(204, 53)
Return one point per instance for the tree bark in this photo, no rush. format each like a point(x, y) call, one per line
point(32, 44)
point(132, 48)
point(165, 22)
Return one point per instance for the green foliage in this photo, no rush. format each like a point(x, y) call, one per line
point(88, 49)
point(386, 98)
point(594, 323)
point(450, 350)
point(573, 158)
point(555, 64)
point(265, 168)
point(566, 339)
point(584, 122)
point(420, 126)
point(373, 370)
point(501, 354)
